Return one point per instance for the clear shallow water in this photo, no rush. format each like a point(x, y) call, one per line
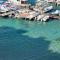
point(29, 40)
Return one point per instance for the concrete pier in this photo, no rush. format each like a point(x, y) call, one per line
point(7, 13)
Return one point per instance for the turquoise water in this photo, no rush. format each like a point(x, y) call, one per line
point(29, 40)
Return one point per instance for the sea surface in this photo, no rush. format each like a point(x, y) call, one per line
point(29, 40)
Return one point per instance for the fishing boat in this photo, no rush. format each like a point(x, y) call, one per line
point(47, 9)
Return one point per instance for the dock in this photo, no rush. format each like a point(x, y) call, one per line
point(21, 15)
point(7, 13)
point(27, 15)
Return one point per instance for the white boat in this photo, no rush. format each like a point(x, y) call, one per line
point(3, 8)
point(45, 18)
point(39, 17)
point(46, 9)
point(56, 12)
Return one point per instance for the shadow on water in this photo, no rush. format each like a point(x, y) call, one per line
point(16, 46)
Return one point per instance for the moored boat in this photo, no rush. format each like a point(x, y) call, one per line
point(45, 18)
point(39, 17)
point(57, 12)
point(46, 9)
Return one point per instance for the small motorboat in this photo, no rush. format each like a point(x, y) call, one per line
point(57, 12)
point(47, 9)
point(39, 17)
point(45, 18)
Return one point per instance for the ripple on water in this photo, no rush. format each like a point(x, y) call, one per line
point(29, 40)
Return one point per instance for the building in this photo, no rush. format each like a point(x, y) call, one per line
point(50, 1)
point(18, 2)
point(58, 2)
point(53, 1)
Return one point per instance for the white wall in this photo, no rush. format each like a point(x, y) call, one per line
point(15, 2)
